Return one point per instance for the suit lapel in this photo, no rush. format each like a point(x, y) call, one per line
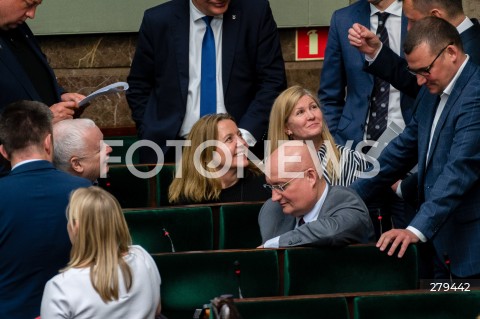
point(231, 24)
point(452, 100)
point(181, 31)
point(425, 115)
point(11, 63)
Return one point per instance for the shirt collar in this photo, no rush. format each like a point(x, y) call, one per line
point(313, 214)
point(450, 85)
point(394, 9)
point(25, 162)
point(462, 27)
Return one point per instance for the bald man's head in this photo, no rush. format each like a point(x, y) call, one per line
point(292, 170)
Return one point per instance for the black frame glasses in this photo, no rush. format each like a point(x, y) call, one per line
point(281, 188)
point(426, 70)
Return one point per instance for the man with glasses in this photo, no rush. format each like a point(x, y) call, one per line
point(443, 137)
point(79, 149)
point(304, 209)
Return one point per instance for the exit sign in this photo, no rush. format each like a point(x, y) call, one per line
point(310, 43)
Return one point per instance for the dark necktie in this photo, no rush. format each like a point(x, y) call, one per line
point(377, 121)
point(301, 221)
point(208, 83)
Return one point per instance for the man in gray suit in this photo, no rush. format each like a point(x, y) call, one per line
point(304, 209)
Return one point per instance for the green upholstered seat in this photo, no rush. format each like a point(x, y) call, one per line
point(190, 280)
point(238, 226)
point(428, 305)
point(164, 179)
point(302, 308)
point(355, 268)
point(188, 228)
point(121, 151)
point(130, 190)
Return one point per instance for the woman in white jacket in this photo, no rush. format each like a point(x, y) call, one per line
point(106, 277)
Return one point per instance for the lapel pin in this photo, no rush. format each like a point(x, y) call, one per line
point(234, 16)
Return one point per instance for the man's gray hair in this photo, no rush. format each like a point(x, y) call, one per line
point(69, 140)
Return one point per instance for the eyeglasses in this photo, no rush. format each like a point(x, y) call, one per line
point(281, 188)
point(426, 70)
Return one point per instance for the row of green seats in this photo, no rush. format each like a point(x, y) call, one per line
point(411, 305)
point(227, 226)
point(191, 279)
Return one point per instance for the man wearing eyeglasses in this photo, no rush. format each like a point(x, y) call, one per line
point(443, 137)
point(304, 209)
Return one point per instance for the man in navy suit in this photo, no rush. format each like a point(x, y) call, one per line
point(25, 72)
point(346, 91)
point(34, 243)
point(443, 138)
point(164, 80)
point(392, 68)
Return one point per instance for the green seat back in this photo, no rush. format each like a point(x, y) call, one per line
point(121, 151)
point(354, 268)
point(188, 228)
point(131, 191)
point(190, 280)
point(239, 226)
point(302, 308)
point(428, 305)
point(164, 179)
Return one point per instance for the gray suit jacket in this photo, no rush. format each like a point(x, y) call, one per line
point(343, 220)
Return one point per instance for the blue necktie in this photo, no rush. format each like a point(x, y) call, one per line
point(208, 83)
point(377, 121)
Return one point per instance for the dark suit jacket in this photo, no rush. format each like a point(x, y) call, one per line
point(343, 220)
point(14, 82)
point(393, 68)
point(344, 88)
point(253, 69)
point(34, 243)
point(448, 185)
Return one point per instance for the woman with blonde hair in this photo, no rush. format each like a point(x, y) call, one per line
point(212, 166)
point(106, 277)
point(296, 115)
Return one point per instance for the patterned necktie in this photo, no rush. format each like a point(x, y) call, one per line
point(377, 121)
point(208, 83)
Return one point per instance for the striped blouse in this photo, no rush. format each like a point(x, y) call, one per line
point(352, 163)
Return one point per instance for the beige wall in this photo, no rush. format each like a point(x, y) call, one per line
point(84, 63)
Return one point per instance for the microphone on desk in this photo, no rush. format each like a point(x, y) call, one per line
point(237, 270)
point(167, 234)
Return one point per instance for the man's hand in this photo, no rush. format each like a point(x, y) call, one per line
point(75, 97)
point(397, 237)
point(66, 109)
point(63, 110)
point(364, 40)
point(261, 246)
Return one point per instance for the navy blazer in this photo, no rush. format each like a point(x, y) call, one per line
point(34, 243)
point(252, 68)
point(344, 88)
point(15, 84)
point(393, 68)
point(448, 184)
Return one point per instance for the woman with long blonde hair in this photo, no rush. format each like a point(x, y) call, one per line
point(106, 275)
point(211, 165)
point(296, 115)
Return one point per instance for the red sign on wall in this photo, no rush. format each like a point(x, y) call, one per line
point(310, 43)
